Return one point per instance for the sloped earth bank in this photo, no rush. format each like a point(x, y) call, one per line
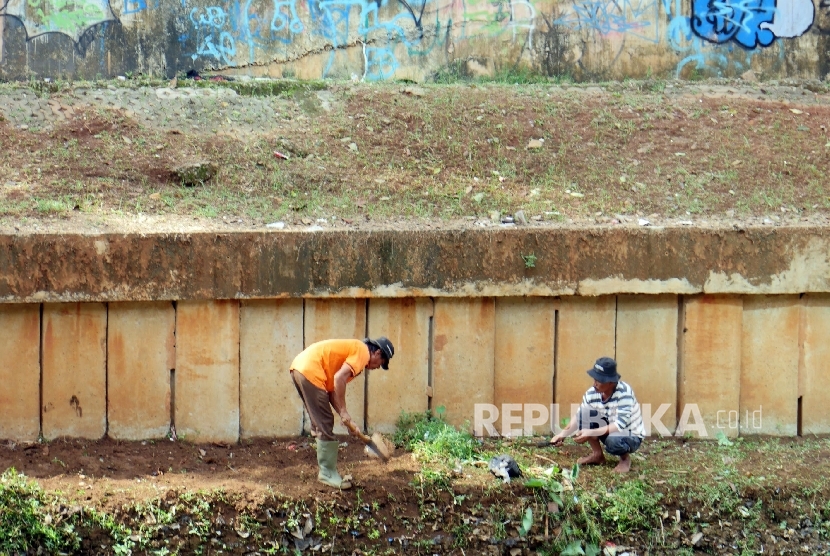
point(769, 496)
point(108, 156)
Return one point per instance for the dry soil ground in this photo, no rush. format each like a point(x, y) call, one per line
point(767, 496)
point(104, 156)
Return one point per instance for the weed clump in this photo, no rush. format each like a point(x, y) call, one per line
point(25, 523)
point(431, 437)
point(633, 505)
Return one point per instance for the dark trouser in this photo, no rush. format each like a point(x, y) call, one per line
point(617, 443)
point(620, 444)
point(318, 406)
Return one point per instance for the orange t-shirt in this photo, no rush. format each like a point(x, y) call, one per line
point(319, 362)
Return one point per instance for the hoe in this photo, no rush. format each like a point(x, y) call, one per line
point(377, 446)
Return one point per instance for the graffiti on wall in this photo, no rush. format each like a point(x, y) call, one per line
point(751, 23)
point(747, 24)
point(215, 41)
point(373, 39)
point(695, 51)
point(70, 17)
point(239, 32)
point(587, 37)
point(231, 32)
point(638, 18)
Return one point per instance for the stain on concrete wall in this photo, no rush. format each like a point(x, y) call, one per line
point(74, 370)
point(814, 355)
point(525, 355)
point(710, 368)
point(769, 354)
point(464, 356)
point(392, 39)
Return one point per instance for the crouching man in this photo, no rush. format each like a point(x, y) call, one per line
point(609, 416)
point(321, 374)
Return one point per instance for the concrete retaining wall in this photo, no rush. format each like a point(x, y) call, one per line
point(717, 330)
point(218, 369)
point(396, 39)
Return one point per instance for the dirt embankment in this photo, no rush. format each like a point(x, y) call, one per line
point(122, 158)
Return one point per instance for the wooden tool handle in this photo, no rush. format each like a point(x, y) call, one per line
point(352, 427)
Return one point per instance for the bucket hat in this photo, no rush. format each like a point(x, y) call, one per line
point(604, 370)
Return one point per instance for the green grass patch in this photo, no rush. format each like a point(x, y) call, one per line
point(257, 88)
point(25, 522)
point(431, 437)
point(52, 206)
point(457, 72)
point(631, 506)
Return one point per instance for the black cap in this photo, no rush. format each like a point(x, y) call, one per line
point(386, 348)
point(605, 370)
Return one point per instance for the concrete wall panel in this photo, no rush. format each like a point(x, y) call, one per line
point(20, 372)
point(524, 353)
point(710, 374)
point(339, 318)
point(207, 371)
point(271, 335)
point(463, 356)
point(141, 352)
point(585, 333)
point(404, 386)
point(74, 370)
point(647, 351)
point(769, 365)
point(814, 364)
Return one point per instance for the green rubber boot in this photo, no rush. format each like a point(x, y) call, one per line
point(327, 460)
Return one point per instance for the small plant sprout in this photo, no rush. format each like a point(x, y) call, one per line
point(527, 522)
point(530, 260)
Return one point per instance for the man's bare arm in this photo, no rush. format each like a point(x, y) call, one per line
point(566, 432)
point(601, 431)
point(338, 397)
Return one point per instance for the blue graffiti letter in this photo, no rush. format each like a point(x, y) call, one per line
point(719, 21)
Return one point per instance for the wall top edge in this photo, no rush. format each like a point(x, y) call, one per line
point(536, 228)
point(394, 263)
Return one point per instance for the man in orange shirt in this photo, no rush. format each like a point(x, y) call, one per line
point(321, 373)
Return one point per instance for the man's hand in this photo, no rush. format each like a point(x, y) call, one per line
point(345, 418)
point(557, 440)
point(583, 436)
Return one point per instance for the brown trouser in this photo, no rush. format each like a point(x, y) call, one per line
point(318, 406)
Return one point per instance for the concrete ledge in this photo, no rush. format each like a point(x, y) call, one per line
point(456, 263)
